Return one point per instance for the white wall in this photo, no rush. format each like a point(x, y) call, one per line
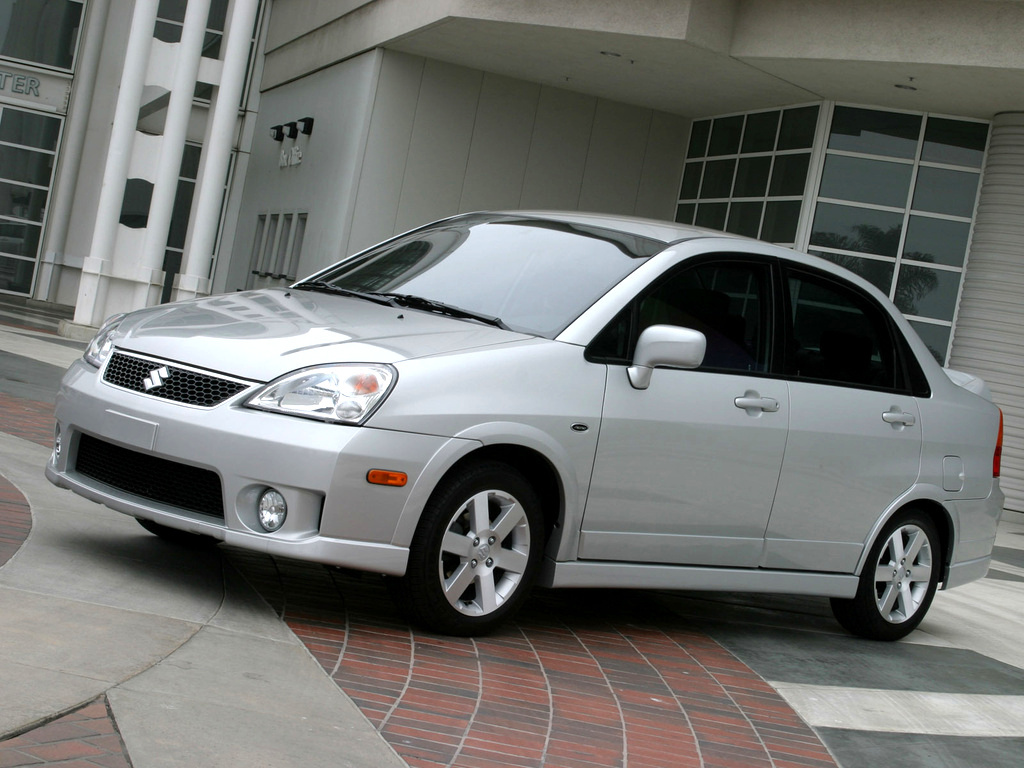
point(445, 139)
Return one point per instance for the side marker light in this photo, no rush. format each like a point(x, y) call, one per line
point(387, 477)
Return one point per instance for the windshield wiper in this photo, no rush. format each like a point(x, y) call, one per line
point(429, 305)
point(325, 287)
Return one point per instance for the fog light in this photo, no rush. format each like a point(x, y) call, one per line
point(272, 510)
point(56, 443)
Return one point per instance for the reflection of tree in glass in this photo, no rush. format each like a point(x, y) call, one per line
point(913, 283)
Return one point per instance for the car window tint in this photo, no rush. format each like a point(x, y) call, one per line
point(839, 335)
point(726, 301)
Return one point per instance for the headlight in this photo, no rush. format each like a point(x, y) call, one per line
point(102, 343)
point(341, 393)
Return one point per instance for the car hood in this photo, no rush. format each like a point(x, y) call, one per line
point(260, 335)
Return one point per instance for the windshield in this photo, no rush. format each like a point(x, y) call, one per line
point(530, 275)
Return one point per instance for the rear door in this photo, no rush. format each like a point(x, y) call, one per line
point(855, 427)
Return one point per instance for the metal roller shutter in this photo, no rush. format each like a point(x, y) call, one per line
point(989, 331)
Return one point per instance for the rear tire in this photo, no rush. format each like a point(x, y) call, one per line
point(475, 554)
point(898, 582)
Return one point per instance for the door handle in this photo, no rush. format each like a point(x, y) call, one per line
point(897, 417)
point(753, 403)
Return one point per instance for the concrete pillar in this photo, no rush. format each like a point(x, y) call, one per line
point(194, 278)
point(988, 340)
point(89, 308)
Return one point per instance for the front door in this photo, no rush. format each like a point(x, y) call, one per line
point(686, 469)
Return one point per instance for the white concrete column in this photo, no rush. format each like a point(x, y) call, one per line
point(62, 195)
point(89, 308)
point(221, 128)
point(988, 339)
point(179, 109)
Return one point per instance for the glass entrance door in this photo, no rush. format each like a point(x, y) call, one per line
point(28, 149)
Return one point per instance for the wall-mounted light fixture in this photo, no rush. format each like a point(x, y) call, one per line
point(291, 130)
point(306, 126)
point(277, 132)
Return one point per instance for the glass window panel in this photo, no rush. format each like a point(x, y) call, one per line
point(789, 175)
point(172, 9)
point(942, 191)
point(25, 165)
point(935, 337)
point(685, 212)
point(725, 136)
point(19, 239)
point(180, 213)
point(41, 32)
point(218, 14)
point(717, 178)
point(16, 274)
point(211, 45)
point(190, 161)
point(168, 33)
point(22, 202)
point(780, 220)
point(745, 218)
point(752, 176)
point(711, 215)
point(954, 142)
point(875, 133)
point(798, 128)
point(878, 273)
point(938, 241)
point(699, 133)
point(759, 135)
point(927, 292)
point(856, 229)
point(866, 181)
point(691, 181)
point(135, 206)
point(29, 128)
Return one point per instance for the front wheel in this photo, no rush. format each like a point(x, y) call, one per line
point(475, 554)
point(898, 582)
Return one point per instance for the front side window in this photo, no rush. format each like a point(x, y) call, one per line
point(727, 301)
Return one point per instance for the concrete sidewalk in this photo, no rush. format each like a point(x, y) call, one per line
point(198, 670)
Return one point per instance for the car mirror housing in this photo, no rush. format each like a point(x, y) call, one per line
point(665, 346)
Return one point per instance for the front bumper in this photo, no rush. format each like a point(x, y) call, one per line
point(334, 517)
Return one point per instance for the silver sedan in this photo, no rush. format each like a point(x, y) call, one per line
point(500, 400)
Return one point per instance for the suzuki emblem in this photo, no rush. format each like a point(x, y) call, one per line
point(156, 378)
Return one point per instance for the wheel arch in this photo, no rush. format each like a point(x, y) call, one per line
point(534, 467)
point(935, 511)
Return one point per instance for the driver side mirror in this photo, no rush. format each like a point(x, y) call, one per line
point(665, 346)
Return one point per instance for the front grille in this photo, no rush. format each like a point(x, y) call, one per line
point(170, 382)
point(167, 482)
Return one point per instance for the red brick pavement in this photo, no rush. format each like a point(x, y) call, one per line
point(581, 680)
point(85, 738)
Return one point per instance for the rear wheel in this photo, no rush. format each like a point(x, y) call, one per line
point(476, 552)
point(898, 582)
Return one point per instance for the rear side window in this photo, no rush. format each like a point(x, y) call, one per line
point(837, 335)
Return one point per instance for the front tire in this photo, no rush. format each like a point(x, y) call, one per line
point(898, 582)
point(475, 554)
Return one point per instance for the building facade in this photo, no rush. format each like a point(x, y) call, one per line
point(161, 149)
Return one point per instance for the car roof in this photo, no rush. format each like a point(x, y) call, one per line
point(665, 231)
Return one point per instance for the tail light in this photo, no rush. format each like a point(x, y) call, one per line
point(997, 456)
